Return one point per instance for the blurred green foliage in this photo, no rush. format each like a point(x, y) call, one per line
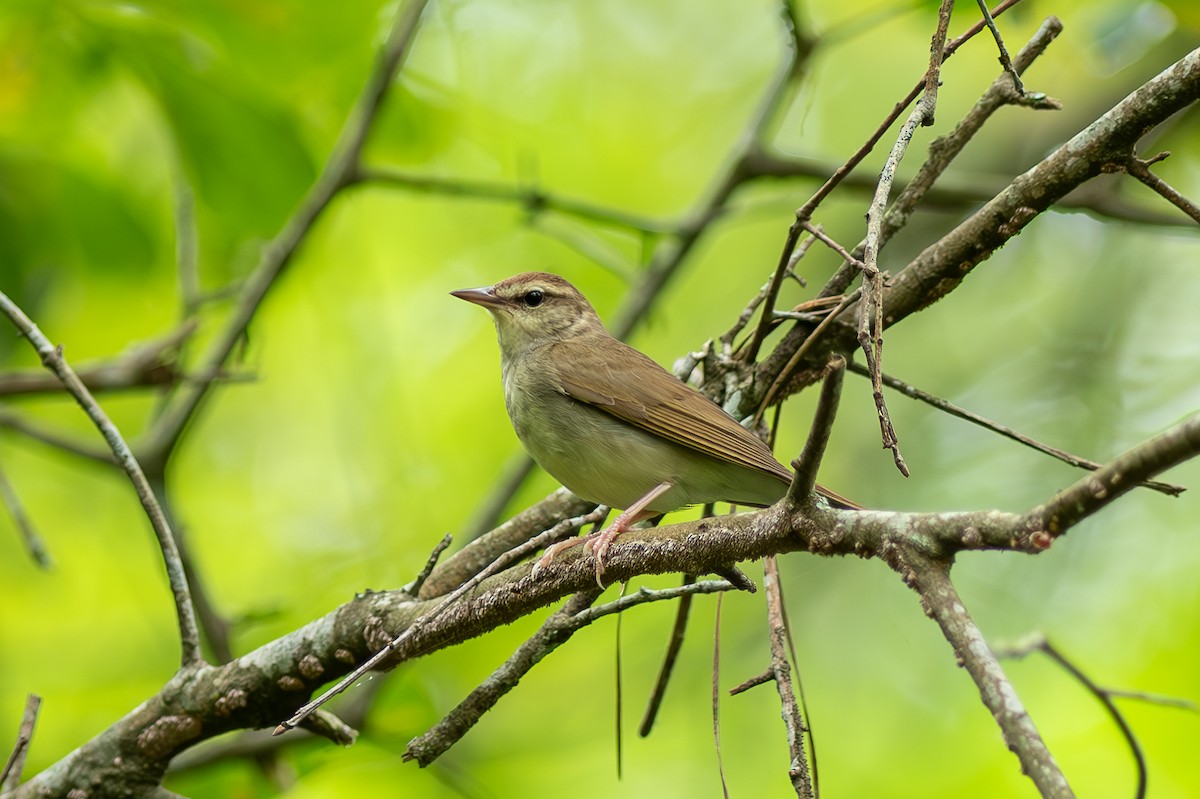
point(374, 422)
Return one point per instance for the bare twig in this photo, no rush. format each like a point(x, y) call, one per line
point(533, 200)
point(805, 212)
point(414, 588)
point(10, 776)
point(911, 391)
point(781, 672)
point(944, 149)
point(51, 439)
point(29, 534)
point(1141, 170)
point(942, 267)
point(716, 698)
point(1005, 61)
point(775, 391)
point(931, 580)
point(644, 595)
point(800, 492)
point(748, 312)
point(870, 323)
point(186, 248)
point(1039, 643)
point(818, 233)
point(1155, 699)
point(674, 645)
point(52, 357)
point(942, 152)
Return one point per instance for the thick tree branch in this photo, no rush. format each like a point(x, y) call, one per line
point(266, 685)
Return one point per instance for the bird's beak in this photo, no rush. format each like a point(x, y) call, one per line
point(481, 296)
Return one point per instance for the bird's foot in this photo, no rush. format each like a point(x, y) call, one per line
point(598, 543)
point(555, 550)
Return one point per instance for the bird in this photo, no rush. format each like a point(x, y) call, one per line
point(611, 424)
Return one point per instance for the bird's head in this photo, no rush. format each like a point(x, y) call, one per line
point(532, 309)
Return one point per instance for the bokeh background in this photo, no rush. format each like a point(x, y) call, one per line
point(374, 420)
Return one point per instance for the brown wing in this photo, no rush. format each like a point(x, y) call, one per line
point(619, 380)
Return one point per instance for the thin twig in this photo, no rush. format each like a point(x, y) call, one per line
point(10, 776)
point(29, 534)
point(781, 672)
point(414, 588)
point(911, 391)
point(716, 698)
point(674, 646)
point(931, 580)
point(51, 439)
point(806, 211)
point(777, 386)
point(1038, 643)
point(799, 340)
point(870, 327)
point(619, 691)
point(1141, 170)
point(748, 312)
point(186, 248)
point(841, 281)
point(1044, 646)
point(804, 713)
point(1005, 61)
point(533, 200)
point(945, 149)
point(805, 479)
point(52, 358)
point(1155, 699)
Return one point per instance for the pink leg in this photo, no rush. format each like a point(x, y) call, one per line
point(635, 513)
point(599, 543)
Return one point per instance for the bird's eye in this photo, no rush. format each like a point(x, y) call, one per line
point(533, 298)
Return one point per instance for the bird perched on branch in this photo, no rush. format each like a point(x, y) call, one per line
point(608, 422)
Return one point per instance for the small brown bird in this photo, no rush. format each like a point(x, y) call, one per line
point(608, 422)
